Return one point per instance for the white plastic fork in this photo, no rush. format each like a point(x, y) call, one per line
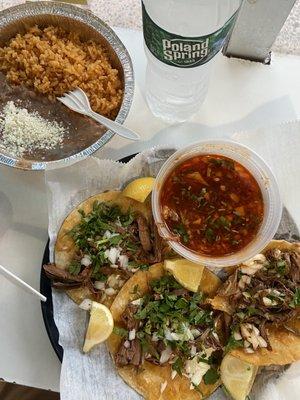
point(78, 101)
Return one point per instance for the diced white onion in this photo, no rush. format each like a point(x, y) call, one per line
point(131, 335)
point(123, 260)
point(107, 235)
point(113, 280)
point(163, 386)
point(237, 336)
point(86, 261)
point(137, 302)
point(112, 254)
point(99, 285)
point(86, 304)
point(173, 374)
point(195, 333)
point(193, 351)
point(126, 344)
point(110, 291)
point(165, 355)
point(195, 370)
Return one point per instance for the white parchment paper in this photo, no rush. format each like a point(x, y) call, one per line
point(92, 376)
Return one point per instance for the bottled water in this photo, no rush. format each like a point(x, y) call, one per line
point(181, 39)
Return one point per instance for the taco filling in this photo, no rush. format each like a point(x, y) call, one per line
point(263, 292)
point(110, 245)
point(170, 325)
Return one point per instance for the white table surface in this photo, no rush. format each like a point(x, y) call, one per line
point(242, 96)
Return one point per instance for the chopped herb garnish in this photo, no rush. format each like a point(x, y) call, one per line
point(211, 376)
point(178, 366)
point(182, 232)
point(296, 299)
point(120, 331)
point(210, 235)
point(74, 267)
point(281, 267)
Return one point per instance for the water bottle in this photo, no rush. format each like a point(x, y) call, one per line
point(181, 39)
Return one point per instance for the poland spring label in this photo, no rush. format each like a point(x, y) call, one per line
point(179, 51)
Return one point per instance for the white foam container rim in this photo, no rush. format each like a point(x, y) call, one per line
point(260, 171)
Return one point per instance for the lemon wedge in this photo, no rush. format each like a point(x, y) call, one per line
point(139, 189)
point(100, 326)
point(187, 273)
point(237, 376)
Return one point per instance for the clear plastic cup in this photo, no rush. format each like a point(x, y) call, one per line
point(260, 171)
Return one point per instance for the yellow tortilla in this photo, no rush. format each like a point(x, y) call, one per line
point(285, 343)
point(149, 379)
point(65, 248)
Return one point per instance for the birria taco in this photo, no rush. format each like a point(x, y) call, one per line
point(101, 244)
point(167, 341)
point(262, 297)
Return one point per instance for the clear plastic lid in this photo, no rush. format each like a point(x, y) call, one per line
point(260, 171)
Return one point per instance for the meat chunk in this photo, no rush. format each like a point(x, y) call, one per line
point(131, 354)
point(55, 273)
point(295, 267)
point(128, 317)
point(144, 233)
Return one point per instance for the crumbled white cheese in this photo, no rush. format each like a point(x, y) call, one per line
point(23, 131)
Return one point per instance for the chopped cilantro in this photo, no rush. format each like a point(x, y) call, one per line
point(296, 299)
point(181, 303)
point(74, 267)
point(182, 232)
point(120, 331)
point(211, 376)
point(143, 267)
point(99, 277)
point(224, 163)
point(210, 235)
point(281, 267)
point(178, 366)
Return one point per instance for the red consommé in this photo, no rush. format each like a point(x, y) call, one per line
point(212, 204)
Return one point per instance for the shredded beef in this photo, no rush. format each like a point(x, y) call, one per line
point(131, 355)
point(144, 233)
point(58, 274)
point(128, 317)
